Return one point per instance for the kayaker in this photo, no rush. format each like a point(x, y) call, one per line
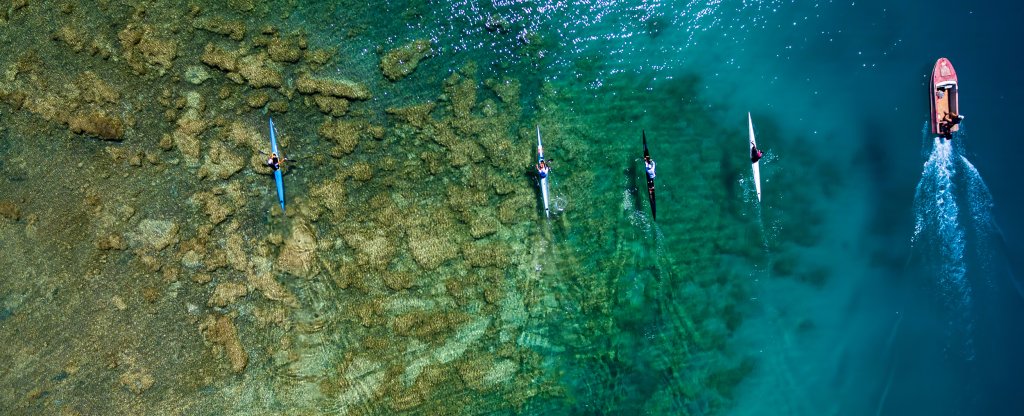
point(274, 162)
point(755, 153)
point(649, 166)
point(542, 169)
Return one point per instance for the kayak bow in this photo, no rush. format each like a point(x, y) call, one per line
point(543, 180)
point(650, 180)
point(277, 173)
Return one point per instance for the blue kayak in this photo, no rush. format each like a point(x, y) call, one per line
point(277, 173)
point(544, 179)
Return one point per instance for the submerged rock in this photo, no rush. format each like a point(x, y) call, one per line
point(219, 58)
point(221, 331)
point(336, 88)
point(402, 61)
point(137, 380)
point(99, 125)
point(298, 257)
point(9, 210)
point(221, 162)
point(233, 29)
point(431, 251)
point(226, 294)
point(142, 48)
point(285, 49)
point(196, 75)
point(258, 72)
point(155, 234)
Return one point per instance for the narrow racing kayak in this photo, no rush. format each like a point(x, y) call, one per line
point(277, 173)
point(544, 180)
point(650, 180)
point(754, 165)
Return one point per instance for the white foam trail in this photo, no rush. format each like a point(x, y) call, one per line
point(980, 202)
point(937, 222)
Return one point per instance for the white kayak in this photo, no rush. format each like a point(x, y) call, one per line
point(754, 165)
point(543, 181)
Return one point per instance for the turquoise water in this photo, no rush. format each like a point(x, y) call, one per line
point(414, 271)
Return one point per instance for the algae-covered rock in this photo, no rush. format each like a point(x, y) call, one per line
point(372, 249)
point(234, 29)
point(486, 255)
point(417, 116)
point(344, 133)
point(461, 90)
point(97, 124)
point(226, 294)
point(307, 84)
point(298, 256)
point(9, 211)
point(319, 57)
point(263, 280)
point(284, 49)
point(221, 162)
point(143, 47)
point(506, 89)
point(154, 234)
point(403, 60)
point(137, 380)
point(331, 105)
point(398, 280)
point(362, 171)
point(72, 36)
point(482, 223)
point(196, 75)
point(431, 250)
point(111, 242)
point(331, 196)
point(97, 91)
point(257, 99)
point(219, 58)
point(221, 332)
point(430, 325)
point(258, 72)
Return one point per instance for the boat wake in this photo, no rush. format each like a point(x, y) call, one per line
point(952, 208)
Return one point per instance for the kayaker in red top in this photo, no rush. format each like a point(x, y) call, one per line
point(755, 154)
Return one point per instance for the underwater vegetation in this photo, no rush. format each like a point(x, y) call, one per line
point(150, 271)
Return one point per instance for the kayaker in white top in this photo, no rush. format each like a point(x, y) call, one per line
point(274, 162)
point(543, 169)
point(649, 166)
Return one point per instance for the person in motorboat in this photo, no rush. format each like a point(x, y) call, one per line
point(949, 120)
point(755, 153)
point(543, 169)
point(649, 166)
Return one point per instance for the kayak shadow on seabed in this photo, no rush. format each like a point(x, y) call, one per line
point(961, 298)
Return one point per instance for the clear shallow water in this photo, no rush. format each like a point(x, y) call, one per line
point(874, 277)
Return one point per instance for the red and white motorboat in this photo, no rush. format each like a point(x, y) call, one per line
point(944, 96)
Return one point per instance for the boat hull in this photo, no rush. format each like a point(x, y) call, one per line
point(277, 173)
point(543, 181)
point(755, 166)
point(650, 180)
point(943, 95)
